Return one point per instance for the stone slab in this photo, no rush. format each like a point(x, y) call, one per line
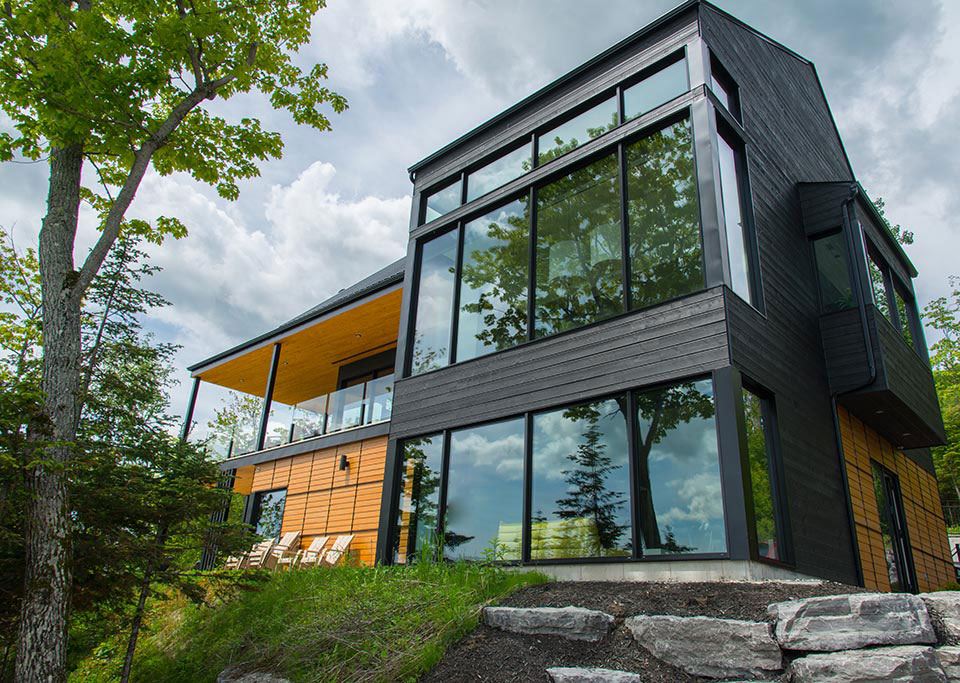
point(949, 656)
point(576, 674)
point(946, 605)
point(847, 622)
point(234, 675)
point(705, 646)
point(902, 664)
point(574, 623)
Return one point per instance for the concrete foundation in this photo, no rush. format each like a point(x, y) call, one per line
point(690, 570)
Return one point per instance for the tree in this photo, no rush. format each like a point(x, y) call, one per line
point(943, 315)
point(122, 85)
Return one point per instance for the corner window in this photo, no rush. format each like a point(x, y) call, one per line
point(905, 313)
point(740, 241)
point(442, 201)
point(418, 513)
point(725, 88)
point(878, 285)
point(760, 422)
point(833, 273)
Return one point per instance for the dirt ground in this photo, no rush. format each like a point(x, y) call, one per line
point(488, 654)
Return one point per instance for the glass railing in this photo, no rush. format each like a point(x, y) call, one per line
point(226, 427)
point(356, 406)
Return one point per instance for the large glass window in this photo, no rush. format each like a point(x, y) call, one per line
point(580, 490)
point(664, 218)
point(578, 253)
point(739, 244)
point(724, 87)
point(442, 201)
point(484, 506)
point(494, 281)
point(417, 516)
point(893, 530)
point(431, 341)
point(581, 129)
point(678, 471)
point(833, 275)
point(654, 90)
point(268, 513)
point(499, 172)
point(760, 454)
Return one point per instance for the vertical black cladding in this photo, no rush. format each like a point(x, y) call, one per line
point(792, 139)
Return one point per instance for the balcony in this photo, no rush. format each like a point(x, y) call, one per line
point(306, 385)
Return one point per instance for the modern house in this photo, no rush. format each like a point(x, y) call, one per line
point(648, 325)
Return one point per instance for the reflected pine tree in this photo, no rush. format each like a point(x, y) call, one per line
point(417, 526)
point(759, 474)
point(588, 495)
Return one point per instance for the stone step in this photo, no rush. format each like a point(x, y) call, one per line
point(848, 622)
point(706, 646)
point(949, 657)
point(946, 605)
point(902, 664)
point(574, 623)
point(576, 674)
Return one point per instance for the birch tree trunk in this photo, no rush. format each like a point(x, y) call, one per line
point(41, 653)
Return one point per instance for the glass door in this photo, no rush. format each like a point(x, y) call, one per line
point(893, 530)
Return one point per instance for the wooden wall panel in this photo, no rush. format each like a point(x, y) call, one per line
point(321, 476)
point(243, 480)
point(263, 477)
point(300, 469)
point(372, 462)
point(340, 518)
point(347, 477)
point(293, 509)
point(921, 503)
point(315, 516)
point(281, 473)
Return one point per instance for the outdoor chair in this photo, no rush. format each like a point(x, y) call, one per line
point(310, 556)
point(287, 547)
point(258, 557)
point(337, 550)
point(235, 561)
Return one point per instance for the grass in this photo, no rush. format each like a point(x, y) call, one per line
point(346, 624)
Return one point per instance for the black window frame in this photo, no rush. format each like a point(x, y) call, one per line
point(255, 504)
point(628, 401)
point(720, 74)
point(741, 151)
point(848, 264)
point(776, 475)
point(893, 286)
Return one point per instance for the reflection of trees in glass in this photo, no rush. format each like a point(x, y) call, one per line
point(551, 148)
point(904, 318)
point(419, 505)
point(271, 513)
point(760, 476)
point(234, 427)
point(664, 217)
point(494, 281)
point(587, 493)
point(879, 289)
point(438, 258)
point(659, 412)
point(579, 249)
point(425, 357)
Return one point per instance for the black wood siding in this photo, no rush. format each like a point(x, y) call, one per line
point(679, 339)
point(845, 350)
point(821, 205)
point(791, 139)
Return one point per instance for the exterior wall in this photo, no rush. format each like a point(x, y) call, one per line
point(921, 503)
point(323, 500)
point(789, 139)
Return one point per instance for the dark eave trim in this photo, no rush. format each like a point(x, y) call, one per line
point(566, 78)
point(393, 283)
point(307, 445)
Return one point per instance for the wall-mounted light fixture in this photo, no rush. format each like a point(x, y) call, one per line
point(344, 463)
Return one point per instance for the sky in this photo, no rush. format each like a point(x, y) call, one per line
point(419, 73)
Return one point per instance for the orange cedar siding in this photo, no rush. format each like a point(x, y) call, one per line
point(921, 502)
point(323, 500)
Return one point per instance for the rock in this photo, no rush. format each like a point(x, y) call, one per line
point(905, 664)
point(704, 646)
point(576, 674)
point(946, 605)
point(847, 622)
point(949, 657)
point(575, 623)
point(234, 675)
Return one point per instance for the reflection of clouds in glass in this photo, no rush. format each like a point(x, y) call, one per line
point(686, 442)
point(502, 452)
point(701, 495)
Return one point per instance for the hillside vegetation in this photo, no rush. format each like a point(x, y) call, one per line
point(344, 624)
